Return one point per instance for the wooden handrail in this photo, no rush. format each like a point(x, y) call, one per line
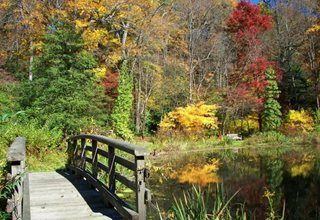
point(121, 145)
point(79, 159)
point(19, 203)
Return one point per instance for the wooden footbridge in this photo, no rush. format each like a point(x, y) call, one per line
point(88, 189)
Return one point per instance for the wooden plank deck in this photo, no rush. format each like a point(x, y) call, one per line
point(60, 196)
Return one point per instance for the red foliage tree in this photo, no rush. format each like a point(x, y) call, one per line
point(110, 84)
point(246, 25)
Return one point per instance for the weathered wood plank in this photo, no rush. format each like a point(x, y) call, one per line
point(126, 163)
point(17, 150)
point(111, 198)
point(64, 197)
point(26, 199)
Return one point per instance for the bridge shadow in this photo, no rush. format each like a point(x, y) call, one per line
point(90, 195)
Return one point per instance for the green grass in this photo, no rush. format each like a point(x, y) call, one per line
point(262, 139)
point(49, 160)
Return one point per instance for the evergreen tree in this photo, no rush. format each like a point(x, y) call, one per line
point(65, 93)
point(121, 115)
point(271, 116)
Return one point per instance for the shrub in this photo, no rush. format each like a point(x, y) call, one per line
point(247, 125)
point(192, 120)
point(38, 138)
point(267, 138)
point(298, 121)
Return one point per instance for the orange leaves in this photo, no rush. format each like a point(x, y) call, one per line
point(192, 120)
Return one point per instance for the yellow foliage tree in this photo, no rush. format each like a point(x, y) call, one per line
point(192, 120)
point(245, 125)
point(299, 121)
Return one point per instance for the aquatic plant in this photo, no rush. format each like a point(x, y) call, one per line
point(195, 206)
point(272, 213)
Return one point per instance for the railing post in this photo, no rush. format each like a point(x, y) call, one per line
point(112, 169)
point(94, 159)
point(141, 187)
point(16, 159)
point(83, 154)
point(75, 152)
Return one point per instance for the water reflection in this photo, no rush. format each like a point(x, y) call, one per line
point(198, 174)
point(292, 177)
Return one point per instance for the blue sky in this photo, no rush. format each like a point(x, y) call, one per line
point(254, 1)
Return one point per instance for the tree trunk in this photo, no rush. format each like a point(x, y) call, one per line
point(138, 101)
point(31, 61)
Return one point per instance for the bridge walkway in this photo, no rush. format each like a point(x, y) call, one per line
point(63, 196)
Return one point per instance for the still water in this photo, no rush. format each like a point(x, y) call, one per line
point(292, 175)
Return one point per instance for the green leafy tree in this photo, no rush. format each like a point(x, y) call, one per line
point(271, 116)
point(65, 93)
point(121, 115)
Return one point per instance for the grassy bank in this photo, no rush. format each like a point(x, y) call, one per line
point(160, 145)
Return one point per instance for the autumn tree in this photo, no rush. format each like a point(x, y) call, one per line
point(201, 43)
point(246, 26)
point(22, 27)
point(192, 120)
point(131, 30)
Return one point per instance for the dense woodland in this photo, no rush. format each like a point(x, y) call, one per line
point(173, 76)
point(139, 67)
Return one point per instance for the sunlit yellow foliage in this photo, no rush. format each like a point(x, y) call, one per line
point(191, 119)
point(305, 167)
point(81, 24)
point(94, 37)
point(200, 175)
point(38, 47)
point(249, 123)
point(314, 28)
point(299, 120)
point(100, 72)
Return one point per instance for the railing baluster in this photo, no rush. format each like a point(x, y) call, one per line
point(83, 153)
point(75, 152)
point(94, 159)
point(112, 169)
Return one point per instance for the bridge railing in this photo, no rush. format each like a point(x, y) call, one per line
point(19, 202)
point(100, 160)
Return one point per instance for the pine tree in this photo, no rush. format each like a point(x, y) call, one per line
point(121, 115)
point(65, 93)
point(271, 116)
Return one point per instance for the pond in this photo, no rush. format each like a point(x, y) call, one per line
point(292, 175)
